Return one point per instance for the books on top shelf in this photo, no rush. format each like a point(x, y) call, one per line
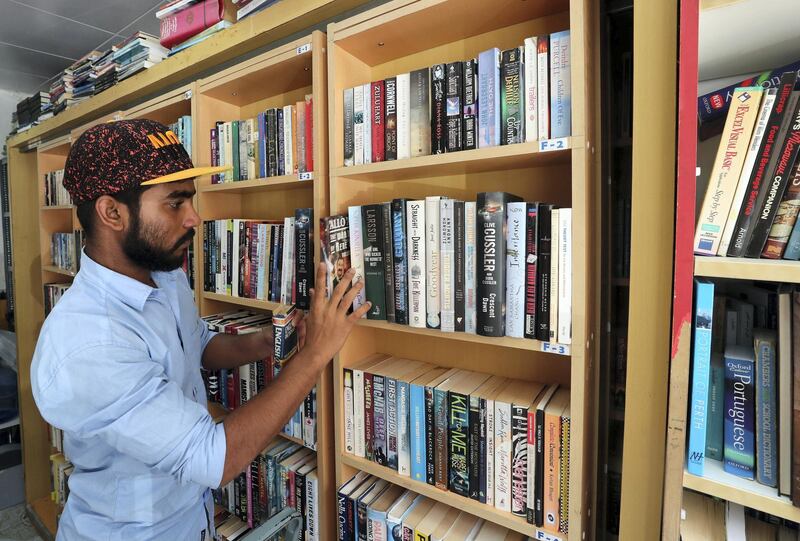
point(499, 98)
point(181, 21)
point(138, 52)
point(504, 443)
point(182, 128)
point(65, 249)
point(752, 201)
point(53, 294)
point(743, 387)
point(494, 267)
point(279, 141)
point(54, 192)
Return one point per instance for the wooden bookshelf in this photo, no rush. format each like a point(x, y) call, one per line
point(44, 512)
point(375, 45)
point(58, 270)
point(254, 186)
point(740, 268)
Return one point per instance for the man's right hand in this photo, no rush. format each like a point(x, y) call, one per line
point(328, 324)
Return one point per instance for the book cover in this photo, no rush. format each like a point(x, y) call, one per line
point(739, 411)
point(420, 112)
point(502, 457)
point(489, 98)
point(515, 269)
point(300, 108)
point(354, 222)
point(391, 422)
point(792, 251)
point(403, 400)
point(565, 276)
point(236, 149)
point(531, 269)
point(563, 500)
point(289, 140)
point(388, 261)
point(400, 260)
point(432, 268)
point(403, 81)
point(372, 231)
point(335, 249)
point(543, 85)
point(785, 218)
point(458, 443)
point(531, 87)
point(304, 256)
point(417, 290)
point(358, 125)
point(701, 367)
point(430, 436)
point(725, 172)
point(453, 107)
point(512, 84)
point(379, 419)
point(519, 460)
point(438, 111)
point(281, 142)
point(417, 432)
point(555, 260)
point(378, 122)
point(476, 457)
point(470, 113)
point(287, 266)
point(440, 433)
point(349, 432)
point(368, 102)
point(272, 142)
point(560, 86)
point(390, 131)
point(491, 267)
point(369, 418)
point(182, 24)
point(766, 388)
point(470, 261)
point(446, 265)
point(458, 263)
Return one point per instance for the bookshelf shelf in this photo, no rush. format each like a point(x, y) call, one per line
point(747, 269)
point(473, 507)
point(58, 270)
point(720, 484)
point(44, 512)
point(58, 207)
point(241, 301)
point(219, 412)
point(285, 182)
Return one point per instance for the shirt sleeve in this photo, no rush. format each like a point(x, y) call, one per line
point(117, 394)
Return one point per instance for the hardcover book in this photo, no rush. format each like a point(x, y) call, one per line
point(419, 112)
point(454, 97)
point(512, 85)
point(489, 98)
point(354, 222)
point(335, 249)
point(739, 411)
point(470, 114)
point(417, 290)
point(766, 387)
point(438, 112)
point(390, 131)
point(515, 270)
point(388, 261)
point(372, 230)
point(378, 122)
point(403, 81)
point(400, 261)
point(560, 86)
point(304, 254)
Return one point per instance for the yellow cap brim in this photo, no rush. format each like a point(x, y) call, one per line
point(187, 173)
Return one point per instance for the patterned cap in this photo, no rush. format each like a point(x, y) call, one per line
point(117, 156)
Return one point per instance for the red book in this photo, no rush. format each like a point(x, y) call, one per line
point(368, 416)
point(190, 21)
point(309, 134)
point(233, 389)
point(378, 124)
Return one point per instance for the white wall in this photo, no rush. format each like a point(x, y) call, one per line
point(8, 104)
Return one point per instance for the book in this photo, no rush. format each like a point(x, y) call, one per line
point(355, 224)
point(555, 277)
point(716, 402)
point(390, 131)
point(530, 89)
point(453, 106)
point(793, 346)
point(281, 145)
point(397, 512)
point(359, 403)
point(388, 261)
point(515, 269)
point(304, 254)
point(563, 501)
point(377, 511)
point(335, 248)
point(512, 85)
point(447, 265)
point(481, 432)
point(784, 390)
point(565, 276)
point(432, 262)
point(489, 98)
point(701, 367)
point(470, 113)
point(785, 218)
point(725, 172)
point(180, 25)
point(272, 142)
point(739, 411)
point(400, 260)
point(378, 121)
point(367, 128)
point(551, 471)
point(531, 269)
point(459, 239)
point(458, 438)
point(417, 264)
point(419, 112)
point(560, 85)
point(543, 286)
point(289, 140)
point(766, 390)
point(422, 506)
point(403, 83)
point(470, 274)
point(424, 528)
point(374, 250)
point(536, 456)
point(438, 109)
point(347, 405)
point(358, 125)
point(543, 85)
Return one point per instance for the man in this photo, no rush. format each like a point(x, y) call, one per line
point(117, 364)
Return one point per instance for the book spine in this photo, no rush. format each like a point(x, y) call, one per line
point(454, 101)
point(359, 414)
point(457, 450)
point(304, 257)
point(515, 270)
point(188, 21)
point(716, 404)
point(261, 133)
point(502, 456)
point(531, 86)
point(390, 131)
point(379, 419)
point(367, 128)
point(531, 254)
point(349, 128)
point(378, 122)
point(565, 276)
point(766, 409)
point(417, 290)
point(369, 418)
point(403, 429)
point(441, 405)
point(458, 265)
point(470, 113)
point(391, 423)
point(300, 113)
point(563, 526)
point(446, 266)
point(543, 273)
point(214, 155)
point(430, 436)
point(358, 125)
point(349, 432)
point(552, 470)
point(489, 98)
point(388, 261)
point(354, 222)
point(420, 112)
point(417, 430)
point(281, 126)
point(793, 327)
point(308, 130)
point(792, 251)
point(512, 108)
point(560, 86)
point(785, 219)
point(400, 261)
point(287, 269)
point(438, 115)
point(474, 449)
point(519, 460)
point(272, 142)
point(432, 269)
point(372, 224)
point(530, 499)
point(543, 85)
point(236, 143)
point(289, 141)
point(487, 464)
point(491, 272)
point(554, 276)
point(470, 262)
point(403, 82)
point(739, 417)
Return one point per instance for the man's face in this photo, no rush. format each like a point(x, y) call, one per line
point(161, 231)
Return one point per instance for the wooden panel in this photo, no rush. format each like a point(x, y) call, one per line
point(166, 108)
point(769, 270)
point(43, 512)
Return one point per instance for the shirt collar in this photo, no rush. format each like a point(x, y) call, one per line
point(130, 291)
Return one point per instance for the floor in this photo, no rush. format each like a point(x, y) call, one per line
point(15, 526)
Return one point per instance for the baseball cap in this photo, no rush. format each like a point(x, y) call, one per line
point(117, 156)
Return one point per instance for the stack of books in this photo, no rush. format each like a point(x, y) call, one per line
point(182, 128)
point(32, 110)
point(61, 92)
point(277, 142)
point(138, 52)
point(105, 70)
point(184, 23)
point(495, 267)
point(500, 98)
point(250, 7)
point(504, 443)
point(84, 76)
point(66, 250)
point(53, 294)
point(61, 469)
point(54, 192)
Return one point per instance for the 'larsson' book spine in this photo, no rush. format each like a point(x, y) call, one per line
point(491, 273)
point(739, 411)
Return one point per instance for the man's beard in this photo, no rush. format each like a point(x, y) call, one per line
point(143, 245)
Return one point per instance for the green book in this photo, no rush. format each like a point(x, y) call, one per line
point(235, 148)
point(372, 233)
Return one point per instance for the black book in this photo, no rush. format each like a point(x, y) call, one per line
point(304, 256)
point(372, 232)
point(281, 144)
point(454, 97)
point(776, 183)
point(272, 142)
point(470, 120)
point(206, 257)
point(242, 255)
point(519, 460)
point(544, 243)
point(438, 110)
point(458, 443)
point(491, 268)
point(388, 261)
point(459, 247)
point(430, 437)
point(349, 141)
point(474, 457)
point(763, 167)
point(229, 277)
point(390, 133)
point(531, 240)
point(400, 261)
point(511, 88)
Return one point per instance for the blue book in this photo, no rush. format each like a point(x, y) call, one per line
point(403, 430)
point(766, 407)
point(399, 261)
point(417, 432)
point(489, 98)
point(560, 87)
point(262, 145)
point(701, 375)
point(223, 387)
point(740, 411)
point(793, 246)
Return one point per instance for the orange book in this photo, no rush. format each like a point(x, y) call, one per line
point(552, 458)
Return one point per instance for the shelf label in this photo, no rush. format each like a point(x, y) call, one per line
point(542, 536)
point(304, 48)
point(558, 349)
point(548, 145)
point(305, 176)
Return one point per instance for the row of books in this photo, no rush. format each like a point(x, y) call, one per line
point(284, 475)
point(373, 508)
point(54, 192)
point(522, 94)
point(182, 128)
point(60, 470)
point(501, 442)
point(752, 201)
point(743, 417)
point(31, 111)
point(495, 267)
point(65, 249)
point(53, 294)
point(277, 142)
point(264, 260)
point(232, 388)
point(705, 517)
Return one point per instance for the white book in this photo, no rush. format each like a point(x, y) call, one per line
point(415, 227)
point(228, 148)
point(749, 162)
point(531, 87)
point(312, 507)
point(349, 430)
point(358, 125)
point(367, 123)
point(223, 253)
point(447, 265)
point(490, 451)
point(554, 276)
point(288, 152)
point(358, 414)
point(252, 148)
point(235, 259)
point(356, 252)
point(287, 266)
point(560, 85)
point(432, 269)
point(403, 431)
point(403, 116)
point(543, 85)
point(470, 291)
point(516, 216)
point(565, 278)
point(502, 456)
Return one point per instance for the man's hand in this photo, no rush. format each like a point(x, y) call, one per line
point(328, 324)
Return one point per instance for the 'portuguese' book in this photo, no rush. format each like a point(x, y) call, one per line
point(739, 411)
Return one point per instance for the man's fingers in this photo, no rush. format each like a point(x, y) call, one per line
point(320, 282)
point(361, 312)
point(341, 287)
point(349, 297)
point(301, 334)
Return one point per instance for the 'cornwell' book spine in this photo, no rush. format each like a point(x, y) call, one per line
point(739, 411)
point(390, 131)
point(511, 86)
point(372, 231)
point(438, 115)
point(470, 119)
point(400, 261)
point(458, 443)
point(454, 97)
point(304, 254)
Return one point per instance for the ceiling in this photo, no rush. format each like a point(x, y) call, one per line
point(39, 38)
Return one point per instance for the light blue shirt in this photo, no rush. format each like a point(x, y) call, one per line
point(117, 368)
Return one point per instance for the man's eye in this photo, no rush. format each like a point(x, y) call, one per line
point(175, 204)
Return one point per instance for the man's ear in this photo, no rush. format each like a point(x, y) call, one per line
point(111, 213)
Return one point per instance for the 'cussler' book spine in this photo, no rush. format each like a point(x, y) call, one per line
point(400, 261)
point(511, 87)
point(438, 114)
point(470, 113)
point(458, 443)
point(304, 254)
point(454, 97)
